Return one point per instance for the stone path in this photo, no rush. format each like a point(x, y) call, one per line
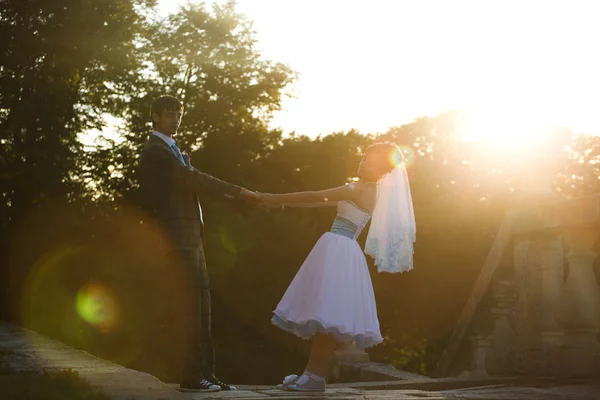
point(501, 392)
point(32, 352)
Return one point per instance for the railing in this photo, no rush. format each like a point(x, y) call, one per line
point(544, 307)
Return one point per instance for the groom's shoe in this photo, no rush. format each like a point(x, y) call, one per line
point(217, 382)
point(198, 385)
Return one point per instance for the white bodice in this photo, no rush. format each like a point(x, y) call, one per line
point(350, 219)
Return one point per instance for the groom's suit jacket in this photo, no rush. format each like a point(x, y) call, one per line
point(170, 192)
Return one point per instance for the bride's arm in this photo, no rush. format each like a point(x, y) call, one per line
point(313, 205)
point(321, 198)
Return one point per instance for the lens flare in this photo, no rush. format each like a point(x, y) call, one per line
point(93, 291)
point(227, 240)
point(97, 305)
point(408, 156)
point(44, 296)
point(396, 158)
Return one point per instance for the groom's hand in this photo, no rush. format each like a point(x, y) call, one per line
point(249, 196)
point(256, 199)
point(252, 198)
point(267, 202)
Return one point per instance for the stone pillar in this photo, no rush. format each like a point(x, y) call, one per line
point(349, 352)
point(479, 348)
point(538, 262)
point(578, 310)
point(550, 275)
point(497, 360)
point(524, 313)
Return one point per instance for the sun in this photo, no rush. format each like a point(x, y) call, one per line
point(502, 130)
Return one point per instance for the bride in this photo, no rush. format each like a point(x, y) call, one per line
point(331, 297)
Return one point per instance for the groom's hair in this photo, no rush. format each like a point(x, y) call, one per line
point(164, 102)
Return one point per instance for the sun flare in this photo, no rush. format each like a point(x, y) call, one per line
point(503, 133)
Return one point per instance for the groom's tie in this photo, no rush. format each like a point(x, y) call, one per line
point(180, 156)
point(178, 153)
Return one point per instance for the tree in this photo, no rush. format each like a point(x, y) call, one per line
point(206, 58)
point(63, 64)
point(580, 174)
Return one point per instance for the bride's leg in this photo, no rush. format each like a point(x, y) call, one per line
point(321, 354)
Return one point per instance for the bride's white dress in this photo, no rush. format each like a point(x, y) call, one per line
point(332, 292)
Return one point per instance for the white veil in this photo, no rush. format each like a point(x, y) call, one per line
point(393, 229)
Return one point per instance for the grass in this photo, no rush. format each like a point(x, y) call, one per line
point(48, 385)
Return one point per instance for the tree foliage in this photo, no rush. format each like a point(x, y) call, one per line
point(68, 207)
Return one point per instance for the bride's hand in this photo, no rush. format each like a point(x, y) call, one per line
point(265, 198)
point(268, 200)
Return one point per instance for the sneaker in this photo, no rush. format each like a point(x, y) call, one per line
point(287, 381)
point(198, 385)
point(308, 383)
point(217, 382)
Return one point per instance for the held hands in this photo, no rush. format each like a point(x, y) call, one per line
point(268, 201)
point(263, 200)
point(249, 196)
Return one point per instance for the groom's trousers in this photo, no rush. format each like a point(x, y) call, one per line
point(192, 313)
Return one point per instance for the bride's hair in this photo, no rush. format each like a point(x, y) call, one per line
point(388, 154)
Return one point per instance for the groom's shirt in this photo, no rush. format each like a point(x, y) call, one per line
point(169, 141)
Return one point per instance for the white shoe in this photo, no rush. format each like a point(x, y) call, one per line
point(308, 382)
point(288, 380)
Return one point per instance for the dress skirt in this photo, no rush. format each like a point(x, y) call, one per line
point(332, 293)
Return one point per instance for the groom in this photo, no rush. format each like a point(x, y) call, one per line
point(170, 186)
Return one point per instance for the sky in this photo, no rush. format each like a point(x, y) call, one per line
point(374, 64)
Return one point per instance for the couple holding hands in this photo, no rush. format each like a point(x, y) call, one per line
point(331, 298)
